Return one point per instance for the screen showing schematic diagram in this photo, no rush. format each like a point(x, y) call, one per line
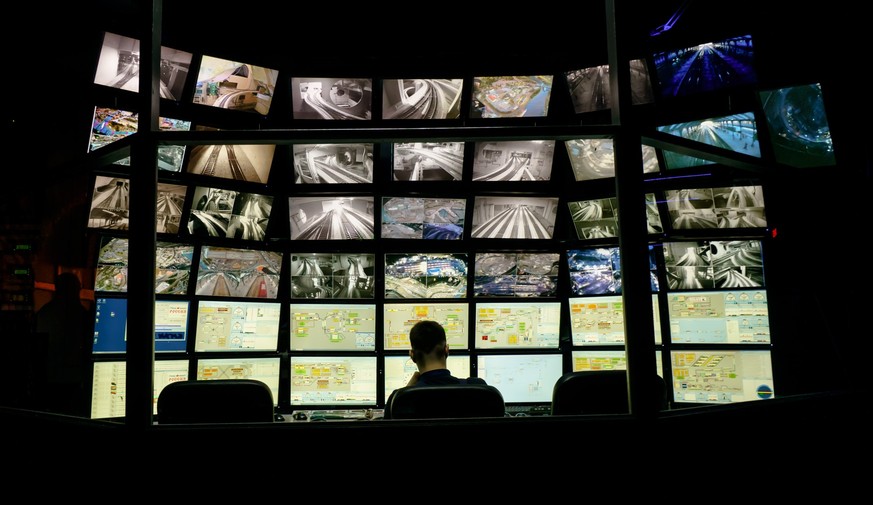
point(237, 326)
point(333, 380)
point(400, 317)
point(343, 326)
point(265, 370)
point(722, 376)
point(508, 325)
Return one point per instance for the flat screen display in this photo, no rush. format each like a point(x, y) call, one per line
point(118, 66)
point(522, 378)
point(737, 316)
point(517, 325)
point(706, 67)
point(737, 132)
point(593, 159)
point(516, 217)
point(110, 125)
point(590, 87)
point(171, 157)
point(726, 207)
point(722, 376)
point(227, 84)
point(109, 385)
point(511, 96)
point(172, 266)
point(425, 275)
point(266, 370)
point(110, 325)
point(334, 380)
point(421, 98)
point(599, 320)
point(331, 98)
point(399, 369)
point(333, 163)
point(239, 162)
point(237, 326)
point(327, 275)
point(399, 318)
point(335, 326)
point(595, 219)
point(170, 200)
point(423, 218)
point(714, 264)
point(110, 203)
point(798, 125)
point(225, 213)
point(514, 160)
point(428, 161)
point(516, 274)
point(597, 270)
point(245, 273)
point(594, 360)
point(331, 217)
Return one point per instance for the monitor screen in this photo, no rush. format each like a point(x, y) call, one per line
point(517, 274)
point(229, 84)
point(226, 213)
point(425, 275)
point(706, 67)
point(331, 98)
point(399, 369)
point(331, 217)
point(593, 159)
point(674, 160)
point(599, 320)
point(423, 218)
point(326, 275)
point(596, 219)
point(601, 359)
point(421, 98)
point(266, 370)
point(511, 96)
point(737, 316)
point(513, 160)
point(522, 378)
point(334, 380)
point(515, 324)
point(714, 264)
point(737, 132)
point(245, 273)
point(118, 66)
point(171, 199)
point(728, 207)
point(590, 88)
point(400, 318)
point(428, 161)
point(110, 125)
point(240, 162)
point(170, 157)
point(597, 270)
point(110, 203)
point(110, 325)
point(109, 385)
point(237, 326)
point(520, 216)
point(333, 163)
point(722, 376)
point(335, 326)
point(172, 266)
point(798, 125)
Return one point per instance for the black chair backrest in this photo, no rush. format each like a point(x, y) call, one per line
point(601, 392)
point(215, 401)
point(445, 401)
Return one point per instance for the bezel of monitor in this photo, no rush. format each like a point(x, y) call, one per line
point(675, 78)
point(333, 163)
point(242, 273)
point(516, 274)
point(599, 320)
point(716, 208)
point(110, 203)
point(526, 379)
point(425, 275)
point(227, 213)
point(411, 217)
point(333, 275)
point(237, 326)
point(721, 376)
point(311, 217)
point(798, 125)
point(399, 369)
point(527, 217)
point(597, 270)
point(590, 87)
point(242, 162)
point(119, 61)
point(110, 325)
point(713, 264)
point(109, 385)
point(511, 96)
point(400, 317)
point(264, 369)
point(334, 381)
point(736, 316)
point(517, 325)
point(421, 98)
point(428, 161)
point(232, 85)
point(736, 132)
point(513, 160)
point(331, 98)
point(333, 326)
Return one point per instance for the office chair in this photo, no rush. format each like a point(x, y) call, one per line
point(601, 392)
point(445, 401)
point(215, 401)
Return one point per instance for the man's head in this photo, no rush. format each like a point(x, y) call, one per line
point(428, 340)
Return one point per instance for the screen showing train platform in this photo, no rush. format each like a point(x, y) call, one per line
point(518, 324)
point(333, 380)
point(400, 317)
point(237, 326)
point(340, 326)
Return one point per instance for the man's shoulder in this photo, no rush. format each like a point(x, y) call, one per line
point(475, 380)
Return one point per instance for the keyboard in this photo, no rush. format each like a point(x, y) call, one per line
point(528, 410)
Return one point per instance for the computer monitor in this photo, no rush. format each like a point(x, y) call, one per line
point(522, 378)
point(110, 125)
point(722, 208)
point(109, 385)
point(713, 264)
point(399, 318)
point(425, 275)
point(233, 272)
point(428, 161)
point(110, 203)
point(797, 121)
point(516, 274)
point(736, 132)
point(598, 218)
point(172, 266)
point(584, 360)
point(706, 67)
point(227, 213)
point(589, 87)
point(266, 370)
point(736, 316)
point(333, 163)
point(514, 217)
point(227, 84)
point(170, 200)
point(329, 98)
point(110, 325)
point(423, 218)
point(515, 324)
point(119, 61)
point(327, 275)
point(334, 381)
point(331, 217)
point(333, 326)
point(511, 96)
point(399, 369)
point(597, 270)
point(724, 376)
point(421, 98)
point(241, 162)
point(599, 320)
point(237, 326)
point(513, 160)
point(594, 158)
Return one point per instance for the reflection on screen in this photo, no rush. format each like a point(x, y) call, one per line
point(343, 326)
point(398, 370)
point(110, 325)
point(109, 385)
point(237, 326)
point(715, 317)
point(400, 317)
point(522, 378)
point(265, 370)
point(337, 380)
point(721, 376)
point(600, 320)
point(512, 325)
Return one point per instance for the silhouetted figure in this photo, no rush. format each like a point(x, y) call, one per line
point(430, 353)
point(66, 324)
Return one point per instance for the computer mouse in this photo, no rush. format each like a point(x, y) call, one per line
point(279, 417)
point(299, 416)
